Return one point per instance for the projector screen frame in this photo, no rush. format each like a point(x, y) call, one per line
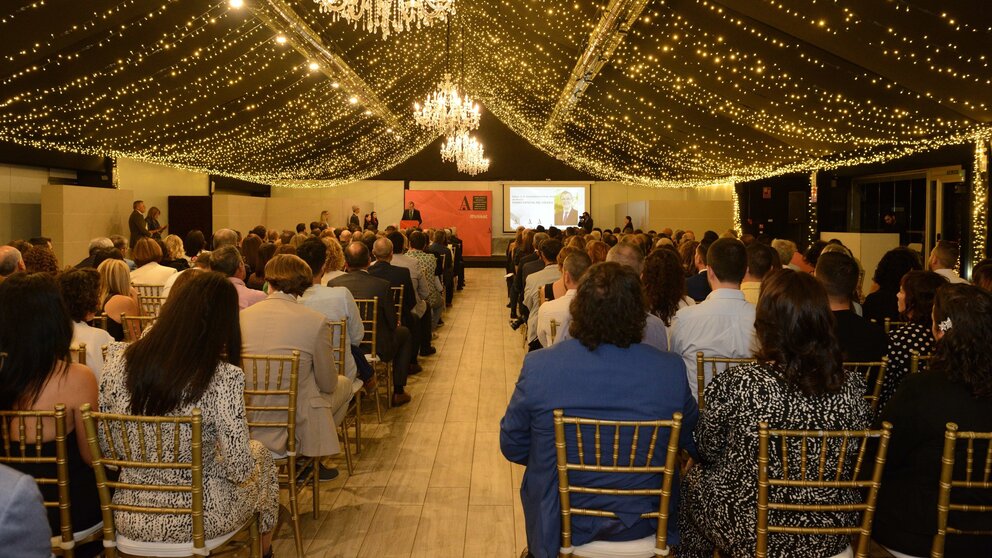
point(585, 185)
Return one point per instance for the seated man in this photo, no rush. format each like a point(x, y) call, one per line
point(279, 325)
point(398, 276)
point(422, 293)
point(393, 341)
point(859, 339)
point(573, 268)
point(586, 376)
point(227, 260)
point(548, 254)
point(761, 260)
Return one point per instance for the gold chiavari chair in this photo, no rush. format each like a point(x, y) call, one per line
point(154, 443)
point(603, 463)
point(148, 290)
point(103, 350)
point(270, 403)
point(150, 305)
point(79, 354)
point(100, 321)
point(874, 375)
point(135, 326)
point(25, 448)
point(974, 479)
point(888, 325)
point(554, 331)
point(398, 303)
point(715, 366)
point(339, 332)
point(368, 309)
point(918, 362)
point(828, 459)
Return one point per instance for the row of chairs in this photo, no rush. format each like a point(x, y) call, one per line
point(810, 469)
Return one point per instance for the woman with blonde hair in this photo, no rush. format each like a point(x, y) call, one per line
point(175, 254)
point(116, 295)
point(334, 266)
point(597, 250)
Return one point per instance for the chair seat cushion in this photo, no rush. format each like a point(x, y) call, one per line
point(639, 548)
point(167, 550)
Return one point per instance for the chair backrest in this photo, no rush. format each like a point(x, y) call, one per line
point(339, 332)
point(614, 463)
point(874, 375)
point(398, 302)
point(147, 443)
point(918, 362)
point(368, 308)
point(888, 325)
point(270, 393)
point(100, 321)
point(817, 460)
point(25, 448)
point(716, 364)
point(554, 331)
point(150, 305)
point(974, 479)
point(78, 354)
point(103, 350)
point(134, 326)
point(148, 290)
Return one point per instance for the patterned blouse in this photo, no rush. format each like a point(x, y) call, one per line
point(239, 477)
point(428, 265)
point(719, 501)
point(909, 337)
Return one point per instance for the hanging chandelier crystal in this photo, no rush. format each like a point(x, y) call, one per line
point(388, 16)
point(467, 153)
point(446, 112)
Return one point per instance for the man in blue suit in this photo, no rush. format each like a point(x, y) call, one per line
point(602, 372)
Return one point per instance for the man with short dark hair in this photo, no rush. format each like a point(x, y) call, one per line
point(761, 260)
point(300, 228)
point(723, 324)
point(412, 214)
point(943, 260)
point(397, 276)
point(137, 224)
point(698, 286)
point(227, 260)
point(859, 339)
point(573, 268)
point(422, 308)
point(393, 341)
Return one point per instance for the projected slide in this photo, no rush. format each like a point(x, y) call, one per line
point(551, 206)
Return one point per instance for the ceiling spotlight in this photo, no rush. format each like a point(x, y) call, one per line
point(237, 3)
point(335, 84)
point(281, 39)
point(368, 113)
point(314, 66)
point(353, 100)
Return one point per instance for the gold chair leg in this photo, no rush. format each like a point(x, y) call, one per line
point(316, 487)
point(375, 395)
point(347, 446)
point(358, 425)
point(294, 507)
point(255, 550)
point(389, 385)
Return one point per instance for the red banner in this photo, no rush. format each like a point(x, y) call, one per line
point(470, 212)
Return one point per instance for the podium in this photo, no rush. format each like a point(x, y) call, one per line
point(407, 223)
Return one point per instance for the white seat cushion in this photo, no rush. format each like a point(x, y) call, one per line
point(897, 554)
point(640, 548)
point(77, 536)
point(848, 553)
point(167, 550)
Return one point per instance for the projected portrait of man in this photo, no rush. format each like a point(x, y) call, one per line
point(565, 213)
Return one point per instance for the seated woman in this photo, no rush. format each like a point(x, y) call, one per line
point(116, 295)
point(257, 279)
point(147, 254)
point(174, 253)
point(956, 387)
point(915, 299)
point(881, 302)
point(80, 290)
point(603, 364)
point(664, 284)
point(37, 374)
point(334, 266)
point(190, 360)
point(797, 383)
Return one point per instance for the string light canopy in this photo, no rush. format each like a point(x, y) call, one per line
point(388, 16)
point(684, 93)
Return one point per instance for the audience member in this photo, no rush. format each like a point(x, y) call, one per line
point(116, 295)
point(882, 301)
point(558, 310)
point(428, 264)
point(227, 260)
point(191, 359)
point(249, 252)
point(176, 254)
point(37, 373)
point(147, 255)
point(194, 243)
point(722, 325)
point(697, 285)
point(916, 296)
point(943, 260)
point(24, 530)
point(786, 251)
point(96, 245)
point(398, 276)
point(10, 261)
point(257, 278)
point(421, 309)
point(393, 341)
point(41, 260)
point(798, 382)
point(628, 255)
point(664, 284)
point(121, 244)
point(981, 274)
point(80, 289)
point(859, 339)
point(761, 260)
point(956, 387)
point(224, 237)
point(604, 363)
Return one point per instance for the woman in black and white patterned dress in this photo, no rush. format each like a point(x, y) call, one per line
point(797, 383)
point(189, 360)
point(916, 293)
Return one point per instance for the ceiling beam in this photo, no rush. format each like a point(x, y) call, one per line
point(279, 16)
point(617, 19)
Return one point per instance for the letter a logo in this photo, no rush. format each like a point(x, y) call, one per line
point(464, 206)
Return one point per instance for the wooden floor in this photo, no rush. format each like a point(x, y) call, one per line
point(430, 481)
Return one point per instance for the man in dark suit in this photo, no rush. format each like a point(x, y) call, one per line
point(136, 222)
point(530, 263)
point(398, 276)
point(603, 364)
point(859, 339)
point(412, 214)
point(567, 215)
point(698, 286)
point(355, 222)
point(393, 342)
point(459, 258)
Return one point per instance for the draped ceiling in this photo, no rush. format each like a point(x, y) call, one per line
point(660, 92)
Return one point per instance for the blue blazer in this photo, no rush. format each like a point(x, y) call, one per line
point(636, 383)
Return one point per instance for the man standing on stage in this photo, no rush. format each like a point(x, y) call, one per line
point(412, 214)
point(136, 222)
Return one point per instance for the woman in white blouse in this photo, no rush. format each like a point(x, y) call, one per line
point(80, 289)
point(147, 254)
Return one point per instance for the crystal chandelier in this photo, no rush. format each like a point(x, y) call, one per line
point(446, 112)
point(466, 152)
point(388, 16)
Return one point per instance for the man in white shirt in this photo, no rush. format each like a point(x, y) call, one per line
point(536, 281)
point(723, 324)
point(943, 258)
point(573, 268)
point(761, 259)
point(227, 260)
